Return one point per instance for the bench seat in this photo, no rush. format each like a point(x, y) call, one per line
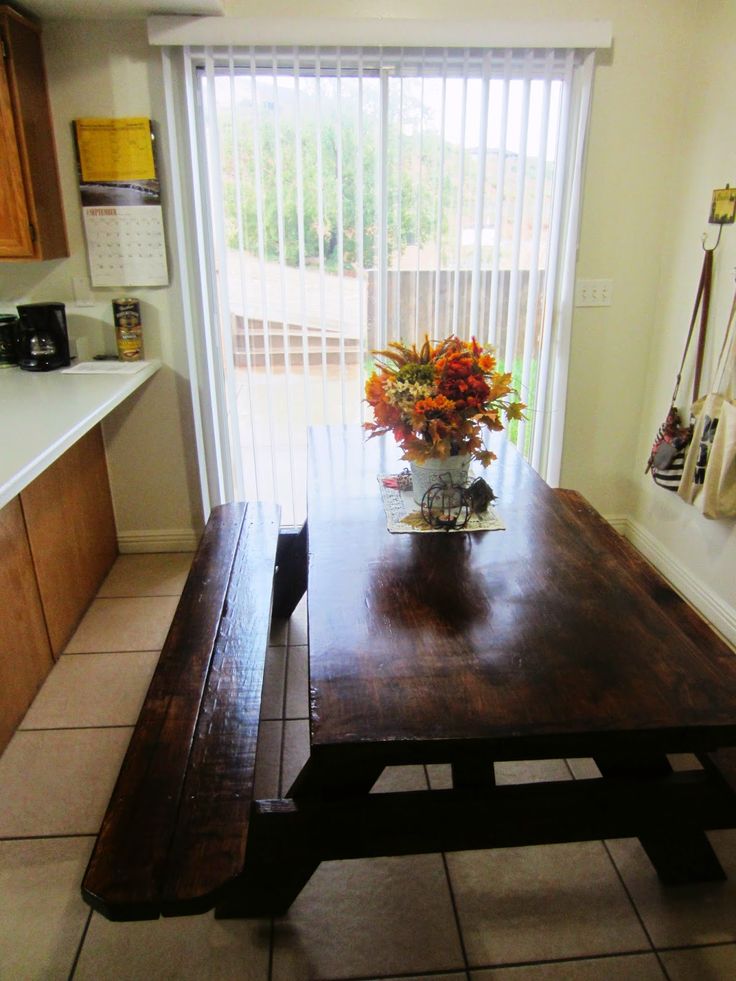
point(721, 762)
point(175, 830)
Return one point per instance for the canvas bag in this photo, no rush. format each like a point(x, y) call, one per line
point(667, 457)
point(709, 476)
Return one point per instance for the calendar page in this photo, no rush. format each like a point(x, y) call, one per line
point(121, 202)
point(126, 246)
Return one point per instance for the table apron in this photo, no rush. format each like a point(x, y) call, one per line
point(508, 816)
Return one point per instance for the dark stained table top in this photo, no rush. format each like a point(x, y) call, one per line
point(540, 640)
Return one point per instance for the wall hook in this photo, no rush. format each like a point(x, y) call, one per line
point(704, 236)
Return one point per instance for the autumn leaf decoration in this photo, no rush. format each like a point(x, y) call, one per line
point(437, 400)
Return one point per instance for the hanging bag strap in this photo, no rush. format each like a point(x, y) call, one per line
point(702, 302)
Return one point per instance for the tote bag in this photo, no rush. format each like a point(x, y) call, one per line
point(709, 475)
point(667, 457)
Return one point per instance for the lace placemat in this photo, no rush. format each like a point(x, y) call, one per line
point(403, 514)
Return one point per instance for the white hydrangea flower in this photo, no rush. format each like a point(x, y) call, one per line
point(404, 394)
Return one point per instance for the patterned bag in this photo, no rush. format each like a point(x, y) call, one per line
point(667, 458)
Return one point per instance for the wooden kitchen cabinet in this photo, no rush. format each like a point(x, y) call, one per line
point(57, 544)
point(25, 651)
point(31, 211)
point(71, 530)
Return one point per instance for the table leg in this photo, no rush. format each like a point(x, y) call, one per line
point(470, 774)
point(320, 779)
point(682, 856)
point(680, 853)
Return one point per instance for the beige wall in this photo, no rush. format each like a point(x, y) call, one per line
point(705, 158)
point(659, 143)
point(108, 69)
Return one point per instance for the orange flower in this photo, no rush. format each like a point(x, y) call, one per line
point(437, 404)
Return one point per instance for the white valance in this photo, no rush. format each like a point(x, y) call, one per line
point(371, 31)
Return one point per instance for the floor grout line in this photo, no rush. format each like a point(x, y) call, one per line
point(575, 958)
point(286, 718)
point(285, 692)
point(411, 975)
point(282, 748)
point(131, 650)
point(78, 954)
point(271, 942)
point(50, 837)
point(699, 946)
point(127, 596)
point(635, 908)
point(629, 896)
point(441, 973)
point(116, 725)
point(453, 900)
point(456, 915)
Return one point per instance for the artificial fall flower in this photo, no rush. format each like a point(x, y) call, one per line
point(437, 400)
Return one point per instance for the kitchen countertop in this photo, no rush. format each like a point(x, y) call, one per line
point(43, 413)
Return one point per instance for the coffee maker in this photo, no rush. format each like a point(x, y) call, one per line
point(43, 341)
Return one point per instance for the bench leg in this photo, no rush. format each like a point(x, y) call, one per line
point(290, 581)
point(280, 857)
point(268, 891)
point(278, 863)
point(680, 854)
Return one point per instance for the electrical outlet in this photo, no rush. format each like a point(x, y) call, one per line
point(593, 292)
point(82, 293)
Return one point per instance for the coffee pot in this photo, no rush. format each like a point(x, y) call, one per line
point(8, 340)
point(43, 340)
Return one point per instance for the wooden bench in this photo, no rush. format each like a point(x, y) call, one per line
point(175, 830)
point(721, 762)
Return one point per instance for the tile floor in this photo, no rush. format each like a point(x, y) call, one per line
point(577, 912)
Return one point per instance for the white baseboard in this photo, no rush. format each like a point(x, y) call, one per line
point(620, 523)
point(720, 615)
point(164, 540)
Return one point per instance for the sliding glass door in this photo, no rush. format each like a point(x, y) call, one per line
point(353, 197)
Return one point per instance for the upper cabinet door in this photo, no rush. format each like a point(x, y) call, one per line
point(15, 224)
point(31, 210)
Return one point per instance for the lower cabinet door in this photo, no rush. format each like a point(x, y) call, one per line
point(71, 529)
point(25, 651)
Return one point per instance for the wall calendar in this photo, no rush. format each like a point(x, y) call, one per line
point(121, 202)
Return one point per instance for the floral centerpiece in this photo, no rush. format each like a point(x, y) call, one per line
point(437, 400)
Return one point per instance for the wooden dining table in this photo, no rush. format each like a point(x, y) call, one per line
point(552, 638)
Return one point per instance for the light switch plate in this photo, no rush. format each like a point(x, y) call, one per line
point(593, 292)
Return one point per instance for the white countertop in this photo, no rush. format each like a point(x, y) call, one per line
point(42, 413)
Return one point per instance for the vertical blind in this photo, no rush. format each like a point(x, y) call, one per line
point(350, 197)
